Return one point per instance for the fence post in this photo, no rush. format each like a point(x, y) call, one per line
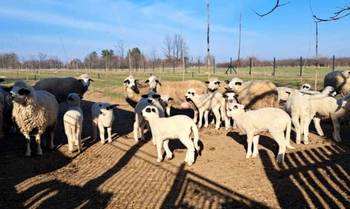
point(301, 66)
point(333, 63)
point(250, 65)
point(274, 67)
point(163, 66)
point(199, 66)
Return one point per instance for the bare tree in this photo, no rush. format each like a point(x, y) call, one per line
point(277, 5)
point(168, 48)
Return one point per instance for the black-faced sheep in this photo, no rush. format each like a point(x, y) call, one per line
point(34, 111)
point(61, 87)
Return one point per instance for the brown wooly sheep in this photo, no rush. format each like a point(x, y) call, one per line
point(339, 80)
point(254, 94)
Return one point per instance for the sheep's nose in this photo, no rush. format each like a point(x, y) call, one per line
point(230, 100)
point(149, 101)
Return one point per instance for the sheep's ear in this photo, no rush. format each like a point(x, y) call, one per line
point(144, 96)
point(24, 91)
point(147, 81)
point(127, 81)
point(238, 83)
point(207, 82)
point(171, 99)
point(91, 80)
point(101, 112)
point(227, 81)
point(217, 82)
point(157, 81)
point(156, 96)
point(7, 88)
point(288, 92)
point(111, 106)
point(224, 95)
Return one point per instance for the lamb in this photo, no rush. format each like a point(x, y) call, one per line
point(73, 122)
point(339, 80)
point(175, 127)
point(153, 83)
point(231, 99)
point(102, 118)
point(253, 122)
point(151, 98)
point(204, 103)
point(254, 94)
point(300, 108)
point(66, 85)
point(34, 111)
point(131, 90)
point(166, 102)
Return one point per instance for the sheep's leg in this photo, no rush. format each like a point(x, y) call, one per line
point(305, 126)
point(168, 111)
point(28, 151)
point(78, 139)
point(336, 129)
point(296, 125)
point(279, 138)
point(169, 155)
point(217, 118)
point(136, 131)
point(38, 143)
point(142, 130)
point(52, 136)
point(109, 132)
point(255, 146)
point(249, 146)
point(102, 133)
point(200, 119)
point(317, 124)
point(159, 150)
point(94, 129)
point(206, 119)
point(195, 116)
point(189, 159)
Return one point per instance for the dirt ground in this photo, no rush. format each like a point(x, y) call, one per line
point(125, 174)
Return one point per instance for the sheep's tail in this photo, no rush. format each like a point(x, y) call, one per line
point(288, 131)
point(196, 136)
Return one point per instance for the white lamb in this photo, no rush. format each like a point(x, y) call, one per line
point(252, 123)
point(151, 98)
point(175, 127)
point(102, 118)
point(34, 112)
point(73, 122)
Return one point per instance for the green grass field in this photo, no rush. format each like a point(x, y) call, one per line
point(284, 76)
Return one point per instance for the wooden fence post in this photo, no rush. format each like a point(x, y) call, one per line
point(301, 66)
point(274, 67)
point(250, 66)
point(333, 63)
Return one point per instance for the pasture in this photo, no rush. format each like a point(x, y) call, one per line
point(125, 174)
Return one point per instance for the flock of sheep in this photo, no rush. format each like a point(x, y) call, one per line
point(251, 108)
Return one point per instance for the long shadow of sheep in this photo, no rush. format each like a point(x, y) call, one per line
point(313, 178)
point(15, 168)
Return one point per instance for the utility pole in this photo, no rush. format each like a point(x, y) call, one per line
point(208, 38)
point(239, 39)
point(316, 51)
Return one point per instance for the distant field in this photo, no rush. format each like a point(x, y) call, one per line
point(284, 76)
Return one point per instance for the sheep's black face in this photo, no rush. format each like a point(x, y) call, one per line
point(132, 84)
point(189, 95)
point(20, 95)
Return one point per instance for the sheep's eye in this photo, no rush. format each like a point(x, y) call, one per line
point(192, 93)
point(229, 109)
point(153, 110)
point(148, 109)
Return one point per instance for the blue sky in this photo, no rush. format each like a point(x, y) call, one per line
point(73, 28)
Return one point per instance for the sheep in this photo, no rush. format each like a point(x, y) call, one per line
point(102, 118)
point(204, 103)
point(300, 107)
point(151, 98)
point(131, 90)
point(254, 94)
point(153, 83)
point(339, 80)
point(166, 102)
point(175, 127)
point(61, 87)
point(253, 122)
point(230, 98)
point(34, 111)
point(73, 122)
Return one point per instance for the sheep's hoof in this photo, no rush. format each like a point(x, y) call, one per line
point(297, 141)
point(306, 142)
point(206, 126)
point(109, 140)
point(169, 157)
point(248, 155)
point(103, 142)
point(280, 158)
point(27, 154)
point(189, 163)
point(255, 154)
point(159, 160)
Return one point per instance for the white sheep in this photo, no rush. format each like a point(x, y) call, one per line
point(73, 122)
point(151, 98)
point(231, 99)
point(153, 83)
point(131, 90)
point(102, 118)
point(252, 123)
point(34, 111)
point(203, 104)
point(61, 87)
point(175, 127)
